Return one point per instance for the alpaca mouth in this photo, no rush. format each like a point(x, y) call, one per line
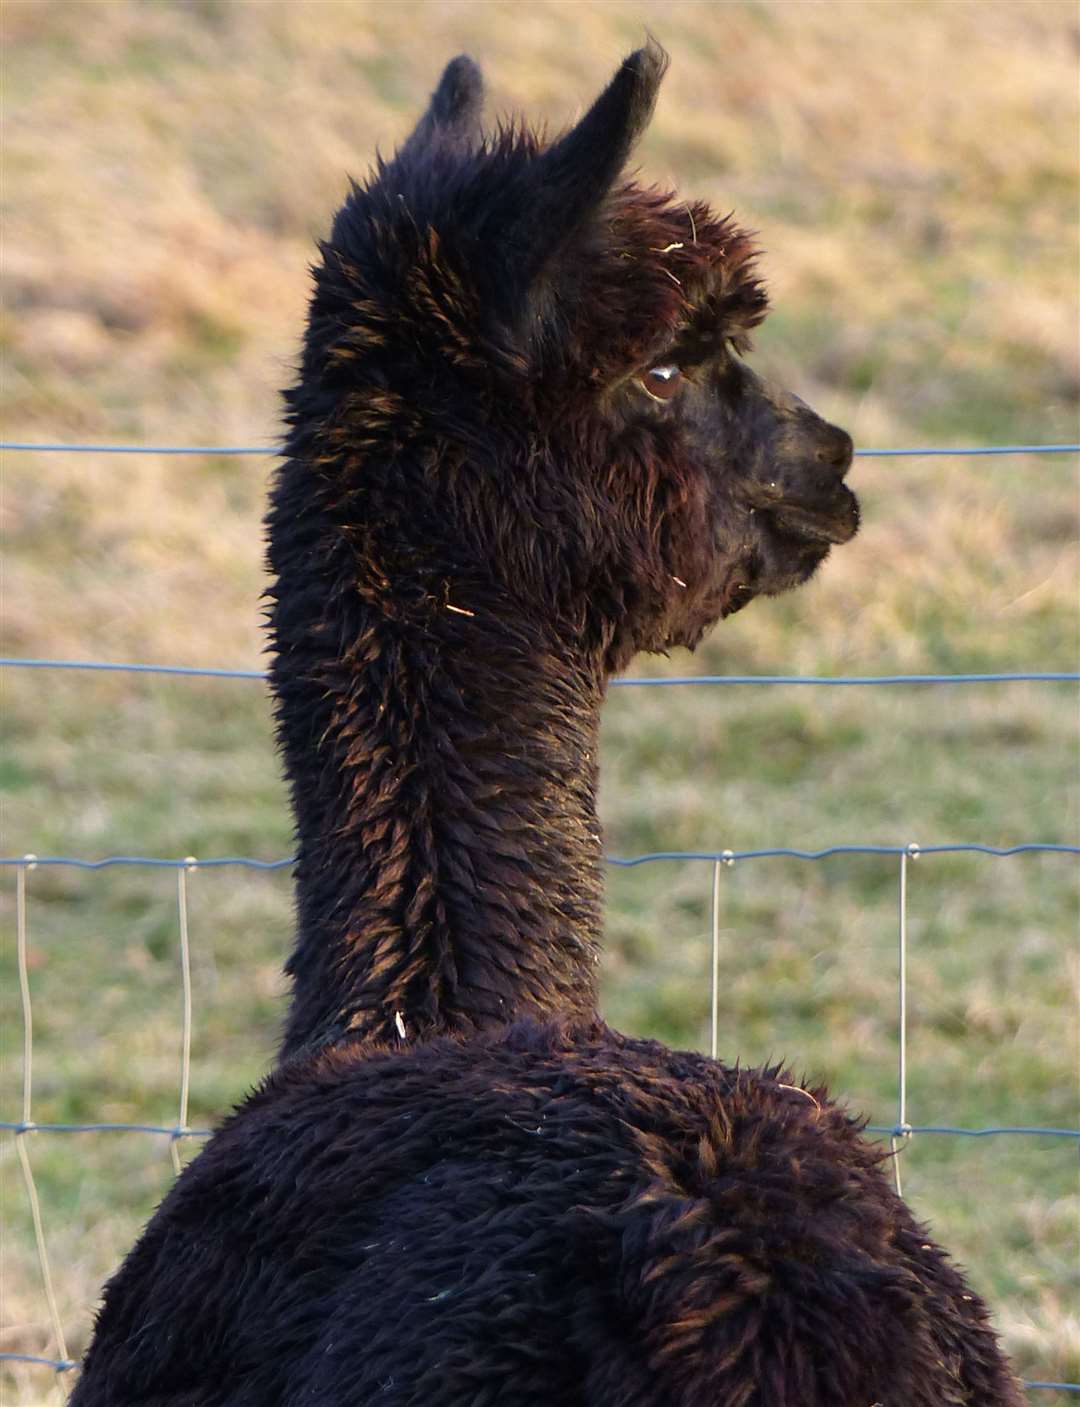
point(833, 523)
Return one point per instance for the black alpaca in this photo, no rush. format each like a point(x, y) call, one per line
point(523, 447)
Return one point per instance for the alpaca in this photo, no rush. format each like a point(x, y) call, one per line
point(524, 446)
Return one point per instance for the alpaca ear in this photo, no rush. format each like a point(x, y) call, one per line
point(453, 115)
point(571, 179)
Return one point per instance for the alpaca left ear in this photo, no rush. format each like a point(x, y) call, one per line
point(571, 179)
point(453, 115)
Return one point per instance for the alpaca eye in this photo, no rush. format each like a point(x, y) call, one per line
point(662, 382)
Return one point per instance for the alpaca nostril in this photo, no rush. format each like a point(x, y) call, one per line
point(836, 451)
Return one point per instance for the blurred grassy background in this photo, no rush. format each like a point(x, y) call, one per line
point(912, 165)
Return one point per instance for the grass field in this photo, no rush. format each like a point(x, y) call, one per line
point(912, 165)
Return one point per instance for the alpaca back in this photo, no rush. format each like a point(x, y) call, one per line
point(552, 1216)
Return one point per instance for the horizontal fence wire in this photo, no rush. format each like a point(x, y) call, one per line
point(27, 446)
point(891, 1130)
point(899, 1133)
point(623, 862)
point(213, 672)
point(65, 1365)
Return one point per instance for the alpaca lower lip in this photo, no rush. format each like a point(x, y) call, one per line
point(836, 524)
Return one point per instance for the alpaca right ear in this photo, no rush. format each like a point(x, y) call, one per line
point(453, 116)
point(573, 177)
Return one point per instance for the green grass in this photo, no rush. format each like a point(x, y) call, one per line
point(165, 172)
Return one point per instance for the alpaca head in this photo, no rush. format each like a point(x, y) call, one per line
point(524, 386)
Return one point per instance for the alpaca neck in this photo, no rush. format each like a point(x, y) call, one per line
point(450, 867)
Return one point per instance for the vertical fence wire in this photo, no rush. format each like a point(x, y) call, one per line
point(21, 929)
point(901, 1135)
point(189, 866)
point(728, 859)
point(714, 1022)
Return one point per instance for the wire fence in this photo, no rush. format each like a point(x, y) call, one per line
point(899, 1133)
point(906, 453)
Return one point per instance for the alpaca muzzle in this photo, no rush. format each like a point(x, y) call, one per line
point(803, 490)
